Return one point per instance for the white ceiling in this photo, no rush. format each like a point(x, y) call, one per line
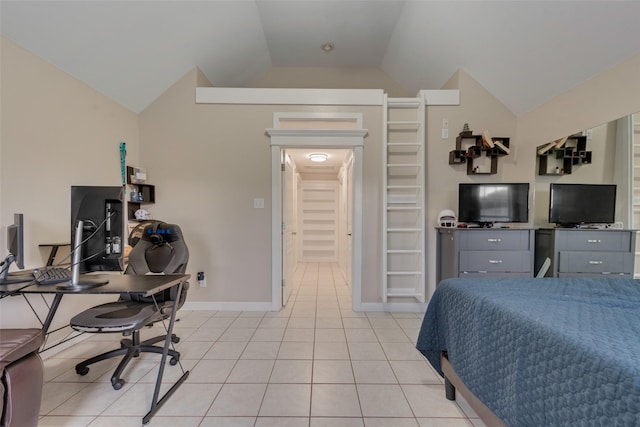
point(524, 52)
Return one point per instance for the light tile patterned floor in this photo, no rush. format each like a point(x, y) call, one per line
point(316, 363)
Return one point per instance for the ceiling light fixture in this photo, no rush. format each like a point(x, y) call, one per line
point(327, 47)
point(318, 157)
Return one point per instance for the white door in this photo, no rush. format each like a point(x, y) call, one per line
point(349, 208)
point(318, 219)
point(289, 193)
point(345, 226)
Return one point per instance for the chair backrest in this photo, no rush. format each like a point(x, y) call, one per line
point(161, 249)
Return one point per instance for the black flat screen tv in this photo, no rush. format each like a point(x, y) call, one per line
point(485, 204)
point(572, 205)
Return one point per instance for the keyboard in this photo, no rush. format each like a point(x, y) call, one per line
point(51, 275)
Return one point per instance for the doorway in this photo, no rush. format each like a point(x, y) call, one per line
point(317, 206)
point(321, 131)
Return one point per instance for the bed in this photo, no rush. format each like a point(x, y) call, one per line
point(538, 352)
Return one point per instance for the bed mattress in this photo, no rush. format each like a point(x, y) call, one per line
point(542, 352)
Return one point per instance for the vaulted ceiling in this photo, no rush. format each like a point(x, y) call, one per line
point(524, 52)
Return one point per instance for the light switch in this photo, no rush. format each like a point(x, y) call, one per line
point(258, 203)
point(445, 133)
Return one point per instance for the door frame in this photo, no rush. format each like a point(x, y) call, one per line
point(347, 133)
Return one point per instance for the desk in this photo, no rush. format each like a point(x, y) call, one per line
point(145, 285)
point(54, 250)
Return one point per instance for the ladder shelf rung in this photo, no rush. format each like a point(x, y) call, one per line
point(404, 103)
point(404, 208)
point(403, 293)
point(404, 187)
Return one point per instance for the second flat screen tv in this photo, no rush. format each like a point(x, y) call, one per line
point(485, 204)
point(571, 205)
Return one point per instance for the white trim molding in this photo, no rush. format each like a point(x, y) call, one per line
point(440, 97)
point(330, 138)
point(293, 138)
point(280, 96)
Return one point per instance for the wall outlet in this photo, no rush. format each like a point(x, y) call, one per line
point(202, 281)
point(445, 133)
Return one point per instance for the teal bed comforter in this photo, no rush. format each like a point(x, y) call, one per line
point(542, 352)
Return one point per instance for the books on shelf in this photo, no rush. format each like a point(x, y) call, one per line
point(546, 147)
point(560, 142)
point(486, 139)
point(498, 143)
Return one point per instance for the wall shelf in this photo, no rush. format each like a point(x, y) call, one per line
point(562, 160)
point(138, 194)
point(470, 147)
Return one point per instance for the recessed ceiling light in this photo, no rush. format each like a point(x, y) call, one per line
point(327, 47)
point(318, 157)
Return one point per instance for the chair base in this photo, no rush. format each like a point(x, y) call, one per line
point(130, 348)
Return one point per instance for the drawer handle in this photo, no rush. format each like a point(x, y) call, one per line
point(596, 262)
point(594, 241)
point(494, 240)
point(495, 261)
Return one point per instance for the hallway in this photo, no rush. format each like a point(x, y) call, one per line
point(315, 363)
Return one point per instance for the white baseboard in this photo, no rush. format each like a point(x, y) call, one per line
point(226, 306)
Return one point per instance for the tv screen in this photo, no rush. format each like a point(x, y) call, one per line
point(574, 204)
point(485, 204)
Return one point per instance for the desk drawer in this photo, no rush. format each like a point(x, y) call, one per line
point(495, 261)
point(498, 240)
point(604, 240)
point(595, 262)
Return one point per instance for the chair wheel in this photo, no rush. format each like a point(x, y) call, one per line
point(175, 339)
point(117, 384)
point(174, 360)
point(82, 370)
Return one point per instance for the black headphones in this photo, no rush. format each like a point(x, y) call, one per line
point(157, 233)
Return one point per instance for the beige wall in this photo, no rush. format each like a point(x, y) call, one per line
point(482, 111)
point(592, 104)
point(56, 132)
point(209, 162)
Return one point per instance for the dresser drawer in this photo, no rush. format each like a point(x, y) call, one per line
point(603, 240)
point(595, 262)
point(495, 261)
point(499, 240)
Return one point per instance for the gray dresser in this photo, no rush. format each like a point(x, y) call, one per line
point(495, 252)
point(578, 252)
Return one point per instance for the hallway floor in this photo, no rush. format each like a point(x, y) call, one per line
point(316, 363)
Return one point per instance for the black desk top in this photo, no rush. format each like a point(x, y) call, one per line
point(145, 285)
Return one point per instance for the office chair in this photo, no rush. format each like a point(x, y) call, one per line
point(161, 249)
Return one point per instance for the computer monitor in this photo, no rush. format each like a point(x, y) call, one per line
point(15, 247)
point(101, 211)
